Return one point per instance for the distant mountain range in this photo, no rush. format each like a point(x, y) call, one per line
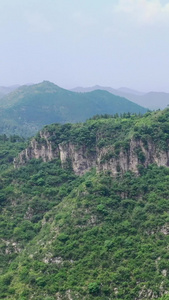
point(119, 92)
point(151, 100)
point(29, 108)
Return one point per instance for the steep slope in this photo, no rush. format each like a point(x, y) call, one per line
point(94, 236)
point(29, 108)
point(97, 238)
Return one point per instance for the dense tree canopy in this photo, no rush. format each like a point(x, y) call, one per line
point(89, 237)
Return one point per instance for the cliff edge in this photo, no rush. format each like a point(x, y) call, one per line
point(116, 144)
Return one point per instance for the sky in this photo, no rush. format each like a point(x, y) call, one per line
point(116, 43)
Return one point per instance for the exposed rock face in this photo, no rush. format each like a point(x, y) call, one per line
point(80, 159)
point(104, 159)
point(129, 160)
point(42, 149)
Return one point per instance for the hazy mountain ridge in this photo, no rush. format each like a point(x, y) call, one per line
point(130, 91)
point(29, 108)
point(4, 90)
point(151, 100)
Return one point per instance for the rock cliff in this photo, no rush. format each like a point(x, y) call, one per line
point(82, 159)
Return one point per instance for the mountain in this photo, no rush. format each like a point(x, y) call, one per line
point(151, 100)
point(29, 108)
point(84, 213)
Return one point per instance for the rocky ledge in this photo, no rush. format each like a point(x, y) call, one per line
point(82, 159)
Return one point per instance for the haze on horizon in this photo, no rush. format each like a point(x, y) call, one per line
point(84, 43)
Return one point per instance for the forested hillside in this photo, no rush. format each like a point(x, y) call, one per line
point(89, 235)
point(29, 108)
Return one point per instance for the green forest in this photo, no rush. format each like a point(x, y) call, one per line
point(91, 237)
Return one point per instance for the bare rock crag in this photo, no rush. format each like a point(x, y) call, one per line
point(82, 159)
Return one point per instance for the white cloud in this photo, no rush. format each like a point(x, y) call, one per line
point(144, 11)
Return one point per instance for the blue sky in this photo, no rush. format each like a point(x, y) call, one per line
point(83, 43)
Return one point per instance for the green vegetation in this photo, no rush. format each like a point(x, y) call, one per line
point(89, 237)
point(9, 148)
point(29, 108)
point(105, 130)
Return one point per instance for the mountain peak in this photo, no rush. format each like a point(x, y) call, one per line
point(46, 83)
